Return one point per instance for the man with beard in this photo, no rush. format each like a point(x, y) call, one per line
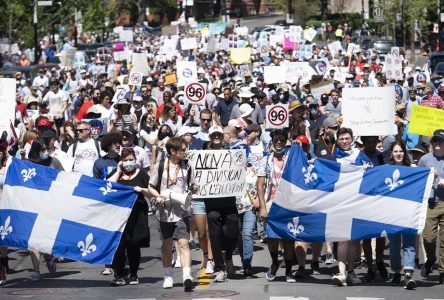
point(324, 145)
point(224, 108)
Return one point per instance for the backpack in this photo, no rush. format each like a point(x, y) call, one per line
point(74, 147)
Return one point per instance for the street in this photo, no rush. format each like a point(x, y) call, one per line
point(75, 280)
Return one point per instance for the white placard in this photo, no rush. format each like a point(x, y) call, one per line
point(188, 44)
point(126, 35)
point(310, 34)
point(295, 34)
point(33, 114)
point(264, 49)
point(140, 63)
point(195, 92)
point(7, 103)
point(296, 69)
point(98, 126)
point(275, 74)
point(335, 47)
point(321, 66)
point(395, 51)
point(120, 93)
point(276, 116)
point(135, 79)
point(218, 173)
point(122, 55)
point(15, 49)
point(393, 67)
point(186, 71)
point(350, 48)
point(369, 111)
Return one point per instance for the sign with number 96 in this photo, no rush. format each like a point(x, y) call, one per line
point(277, 116)
point(195, 92)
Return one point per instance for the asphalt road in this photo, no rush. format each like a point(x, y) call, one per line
point(75, 280)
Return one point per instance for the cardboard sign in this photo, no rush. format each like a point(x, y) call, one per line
point(369, 111)
point(218, 173)
point(188, 44)
point(335, 47)
point(277, 116)
point(240, 56)
point(170, 79)
point(275, 74)
point(310, 34)
point(186, 71)
point(195, 92)
point(425, 120)
point(126, 35)
point(393, 67)
point(7, 103)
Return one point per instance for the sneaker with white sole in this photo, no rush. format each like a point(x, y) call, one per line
point(220, 276)
point(118, 281)
point(177, 263)
point(188, 283)
point(210, 267)
point(339, 280)
point(409, 283)
point(168, 282)
point(329, 258)
point(107, 271)
point(352, 279)
point(134, 280)
point(35, 276)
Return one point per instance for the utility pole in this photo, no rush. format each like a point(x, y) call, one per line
point(440, 31)
point(75, 23)
point(36, 34)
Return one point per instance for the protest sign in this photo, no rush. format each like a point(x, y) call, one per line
point(295, 33)
point(289, 45)
point(393, 67)
point(217, 28)
point(170, 79)
point(425, 120)
point(309, 34)
point(98, 126)
point(321, 66)
point(277, 116)
point(322, 88)
point(126, 35)
point(306, 52)
point(135, 79)
point(264, 49)
point(369, 111)
point(188, 43)
point(211, 46)
point(218, 173)
point(14, 49)
point(395, 51)
point(350, 48)
point(195, 92)
point(122, 55)
point(120, 93)
point(335, 47)
point(296, 69)
point(169, 45)
point(140, 63)
point(186, 71)
point(239, 56)
point(275, 74)
point(169, 30)
point(7, 103)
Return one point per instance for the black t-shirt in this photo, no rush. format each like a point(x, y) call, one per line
point(324, 149)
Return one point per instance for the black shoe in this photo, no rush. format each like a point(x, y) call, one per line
point(188, 285)
point(382, 270)
point(248, 272)
point(409, 283)
point(315, 267)
point(300, 273)
point(396, 279)
point(134, 280)
point(371, 275)
point(417, 263)
point(441, 278)
point(427, 268)
point(118, 281)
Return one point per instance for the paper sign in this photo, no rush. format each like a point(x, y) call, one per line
point(126, 35)
point(239, 56)
point(217, 28)
point(98, 126)
point(393, 67)
point(295, 33)
point(218, 173)
point(188, 44)
point(122, 55)
point(335, 47)
point(425, 120)
point(277, 116)
point(15, 49)
point(169, 30)
point(306, 52)
point(195, 92)
point(186, 71)
point(289, 45)
point(264, 49)
point(120, 93)
point(350, 48)
point(369, 111)
point(309, 34)
point(170, 79)
point(140, 63)
point(275, 74)
point(7, 103)
point(296, 69)
point(395, 51)
point(322, 88)
point(135, 79)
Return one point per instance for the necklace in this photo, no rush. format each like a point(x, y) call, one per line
point(172, 181)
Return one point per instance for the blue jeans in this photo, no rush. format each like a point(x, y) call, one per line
point(408, 244)
point(247, 221)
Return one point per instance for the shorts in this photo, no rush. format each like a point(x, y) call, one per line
point(59, 122)
point(199, 208)
point(177, 230)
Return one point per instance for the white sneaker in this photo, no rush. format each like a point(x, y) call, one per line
point(107, 271)
point(35, 276)
point(329, 258)
point(339, 280)
point(353, 279)
point(221, 276)
point(168, 282)
point(210, 267)
point(177, 263)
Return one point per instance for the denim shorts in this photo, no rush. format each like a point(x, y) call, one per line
point(199, 208)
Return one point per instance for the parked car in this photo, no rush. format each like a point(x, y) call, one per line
point(438, 70)
point(30, 71)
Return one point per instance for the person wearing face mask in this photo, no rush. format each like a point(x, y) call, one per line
point(315, 117)
point(158, 149)
point(136, 233)
point(39, 154)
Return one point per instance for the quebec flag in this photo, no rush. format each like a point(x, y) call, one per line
point(328, 201)
point(64, 214)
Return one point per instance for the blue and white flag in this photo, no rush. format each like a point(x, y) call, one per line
point(63, 214)
point(328, 201)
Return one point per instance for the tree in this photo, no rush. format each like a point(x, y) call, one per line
point(304, 9)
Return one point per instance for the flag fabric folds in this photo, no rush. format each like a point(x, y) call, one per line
point(64, 214)
point(328, 201)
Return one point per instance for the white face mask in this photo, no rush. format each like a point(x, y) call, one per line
point(23, 82)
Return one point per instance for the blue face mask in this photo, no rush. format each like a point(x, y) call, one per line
point(44, 155)
point(129, 165)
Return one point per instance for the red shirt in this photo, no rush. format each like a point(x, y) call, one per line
point(83, 110)
point(22, 109)
point(434, 101)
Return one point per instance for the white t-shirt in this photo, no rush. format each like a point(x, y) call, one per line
point(84, 157)
point(56, 101)
point(41, 83)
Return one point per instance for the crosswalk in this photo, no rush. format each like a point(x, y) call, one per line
point(283, 298)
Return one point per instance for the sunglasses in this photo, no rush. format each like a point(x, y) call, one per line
point(82, 129)
point(334, 127)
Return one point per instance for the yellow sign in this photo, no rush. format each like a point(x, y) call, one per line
point(170, 79)
point(425, 120)
point(240, 56)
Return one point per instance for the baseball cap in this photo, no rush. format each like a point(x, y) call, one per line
point(329, 122)
point(253, 127)
point(234, 123)
point(420, 148)
point(438, 135)
point(44, 122)
point(129, 129)
point(214, 129)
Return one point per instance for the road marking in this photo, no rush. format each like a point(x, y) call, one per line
point(364, 298)
point(203, 282)
point(289, 298)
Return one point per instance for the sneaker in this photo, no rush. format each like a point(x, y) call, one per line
point(339, 280)
point(371, 275)
point(427, 268)
point(248, 272)
point(177, 263)
point(353, 279)
point(168, 282)
point(220, 276)
point(118, 281)
point(409, 283)
point(210, 267)
point(382, 270)
point(108, 271)
point(188, 284)
point(35, 276)
point(315, 267)
point(290, 278)
point(329, 258)
point(396, 279)
point(300, 273)
point(134, 280)
point(230, 267)
point(271, 274)
point(52, 266)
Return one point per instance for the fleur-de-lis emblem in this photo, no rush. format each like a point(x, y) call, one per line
point(393, 182)
point(28, 174)
point(294, 227)
point(108, 189)
point(6, 228)
point(86, 247)
point(308, 174)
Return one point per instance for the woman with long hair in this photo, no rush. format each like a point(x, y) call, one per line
point(170, 117)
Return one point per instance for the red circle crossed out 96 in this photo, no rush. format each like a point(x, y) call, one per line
point(277, 115)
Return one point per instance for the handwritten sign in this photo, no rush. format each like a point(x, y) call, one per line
point(369, 111)
point(218, 173)
point(7, 102)
point(425, 120)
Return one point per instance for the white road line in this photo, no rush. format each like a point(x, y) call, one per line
point(363, 298)
point(289, 298)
